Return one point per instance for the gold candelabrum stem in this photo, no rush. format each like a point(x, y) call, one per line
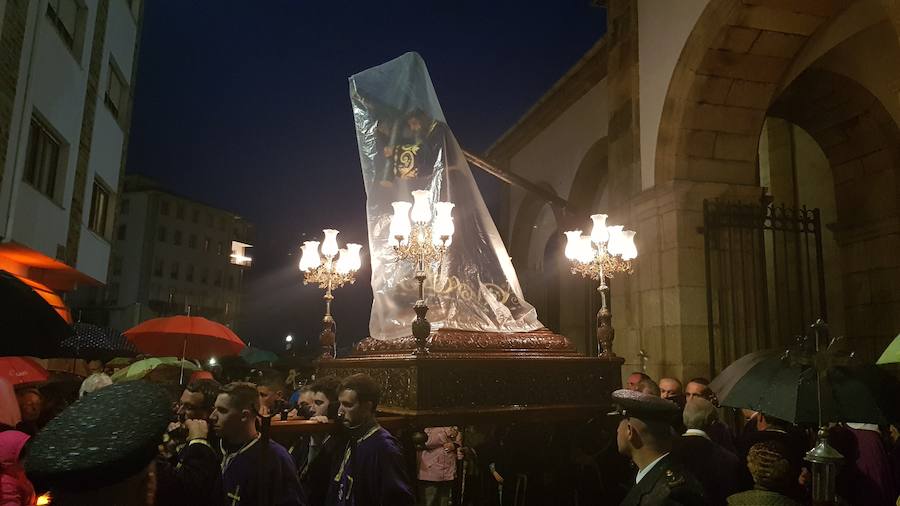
point(329, 280)
point(420, 249)
point(602, 267)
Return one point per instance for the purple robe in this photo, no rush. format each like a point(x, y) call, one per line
point(241, 476)
point(866, 476)
point(372, 472)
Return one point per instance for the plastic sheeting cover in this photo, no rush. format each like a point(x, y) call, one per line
point(405, 145)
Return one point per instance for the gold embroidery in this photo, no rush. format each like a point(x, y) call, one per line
point(405, 162)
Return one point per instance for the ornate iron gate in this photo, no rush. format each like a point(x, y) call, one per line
point(765, 280)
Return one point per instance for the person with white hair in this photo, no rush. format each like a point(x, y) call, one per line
point(93, 383)
point(717, 469)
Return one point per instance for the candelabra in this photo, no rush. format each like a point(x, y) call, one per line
point(330, 274)
point(607, 251)
point(423, 243)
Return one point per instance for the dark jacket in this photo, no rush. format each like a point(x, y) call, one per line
point(666, 484)
point(717, 469)
point(316, 476)
point(192, 478)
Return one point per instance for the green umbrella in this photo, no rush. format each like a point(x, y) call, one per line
point(142, 368)
point(891, 355)
point(253, 355)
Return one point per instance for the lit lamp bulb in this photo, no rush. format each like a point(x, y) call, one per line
point(599, 234)
point(573, 243)
point(421, 209)
point(353, 259)
point(400, 225)
point(330, 245)
point(309, 260)
point(629, 249)
point(443, 223)
point(585, 250)
point(342, 266)
point(615, 246)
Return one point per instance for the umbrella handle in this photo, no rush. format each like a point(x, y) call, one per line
point(183, 351)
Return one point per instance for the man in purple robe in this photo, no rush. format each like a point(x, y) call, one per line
point(254, 471)
point(372, 471)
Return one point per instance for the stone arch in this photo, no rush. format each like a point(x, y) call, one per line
point(590, 177)
point(861, 142)
point(523, 227)
point(858, 136)
point(730, 71)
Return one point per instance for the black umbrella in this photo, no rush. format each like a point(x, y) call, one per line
point(786, 386)
point(29, 325)
point(92, 341)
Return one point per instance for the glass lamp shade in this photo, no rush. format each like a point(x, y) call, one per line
point(342, 265)
point(353, 259)
point(599, 234)
point(615, 244)
point(573, 243)
point(443, 222)
point(585, 250)
point(330, 245)
point(629, 249)
point(309, 260)
point(421, 210)
point(400, 225)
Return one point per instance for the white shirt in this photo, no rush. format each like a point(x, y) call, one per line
point(643, 472)
point(696, 432)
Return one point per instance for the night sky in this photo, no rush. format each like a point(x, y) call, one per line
point(245, 106)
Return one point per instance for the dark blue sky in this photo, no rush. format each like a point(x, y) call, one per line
point(244, 105)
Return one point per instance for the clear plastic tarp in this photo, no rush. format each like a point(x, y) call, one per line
point(405, 145)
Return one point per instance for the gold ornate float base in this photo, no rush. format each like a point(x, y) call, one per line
point(471, 376)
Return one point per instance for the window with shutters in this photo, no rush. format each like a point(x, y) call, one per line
point(98, 219)
point(42, 162)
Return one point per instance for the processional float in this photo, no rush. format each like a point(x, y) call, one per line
point(451, 336)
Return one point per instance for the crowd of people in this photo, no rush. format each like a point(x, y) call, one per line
point(209, 443)
point(761, 463)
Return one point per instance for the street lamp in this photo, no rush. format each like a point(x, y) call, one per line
point(329, 273)
point(607, 251)
point(288, 342)
point(417, 238)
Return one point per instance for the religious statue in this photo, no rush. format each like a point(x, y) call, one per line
point(405, 144)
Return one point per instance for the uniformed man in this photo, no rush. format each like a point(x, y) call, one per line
point(645, 435)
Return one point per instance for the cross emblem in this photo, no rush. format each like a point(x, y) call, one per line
point(234, 495)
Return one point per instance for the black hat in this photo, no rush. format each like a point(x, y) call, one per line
point(102, 439)
point(645, 407)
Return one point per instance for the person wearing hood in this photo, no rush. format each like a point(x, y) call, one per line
point(15, 489)
point(10, 415)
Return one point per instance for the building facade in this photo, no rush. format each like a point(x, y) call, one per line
point(67, 72)
point(683, 105)
point(172, 255)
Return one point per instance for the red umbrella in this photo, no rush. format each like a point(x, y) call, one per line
point(184, 336)
point(21, 370)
